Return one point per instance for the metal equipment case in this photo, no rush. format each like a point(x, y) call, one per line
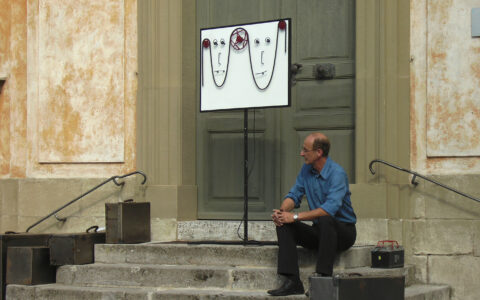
point(387, 254)
point(355, 287)
point(29, 266)
point(127, 222)
point(17, 240)
point(74, 249)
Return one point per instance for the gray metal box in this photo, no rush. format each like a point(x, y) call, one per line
point(127, 222)
point(357, 287)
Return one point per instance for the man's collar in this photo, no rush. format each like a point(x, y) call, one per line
point(325, 170)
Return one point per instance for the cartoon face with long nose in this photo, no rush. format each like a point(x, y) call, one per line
point(263, 47)
point(216, 51)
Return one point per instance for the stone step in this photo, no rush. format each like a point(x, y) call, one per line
point(172, 276)
point(194, 276)
point(220, 255)
point(427, 292)
point(407, 271)
point(61, 292)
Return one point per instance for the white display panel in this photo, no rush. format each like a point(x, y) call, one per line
point(245, 66)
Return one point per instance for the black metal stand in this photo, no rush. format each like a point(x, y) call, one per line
point(245, 177)
point(245, 241)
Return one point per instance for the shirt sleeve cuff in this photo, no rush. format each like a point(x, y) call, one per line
point(295, 200)
point(328, 209)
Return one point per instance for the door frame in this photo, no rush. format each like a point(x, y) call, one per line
point(382, 103)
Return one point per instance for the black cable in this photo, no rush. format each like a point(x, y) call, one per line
point(273, 68)
point(211, 65)
point(238, 231)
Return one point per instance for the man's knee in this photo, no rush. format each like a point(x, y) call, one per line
point(286, 231)
point(325, 220)
point(287, 227)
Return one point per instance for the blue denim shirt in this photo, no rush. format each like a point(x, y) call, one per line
point(328, 189)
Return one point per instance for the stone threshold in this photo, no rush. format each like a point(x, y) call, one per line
point(369, 231)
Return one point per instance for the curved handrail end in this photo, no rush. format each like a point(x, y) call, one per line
point(370, 166)
point(144, 176)
point(114, 178)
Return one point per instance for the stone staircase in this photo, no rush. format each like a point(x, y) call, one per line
point(198, 271)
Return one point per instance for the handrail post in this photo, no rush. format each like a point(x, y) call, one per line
point(413, 180)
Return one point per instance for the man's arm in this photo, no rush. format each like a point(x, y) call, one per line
point(287, 205)
point(287, 216)
point(312, 214)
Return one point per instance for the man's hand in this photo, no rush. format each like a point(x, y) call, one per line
point(280, 217)
point(286, 217)
point(275, 215)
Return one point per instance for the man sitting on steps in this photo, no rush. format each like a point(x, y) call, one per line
point(325, 184)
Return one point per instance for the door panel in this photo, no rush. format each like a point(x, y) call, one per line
point(322, 32)
point(327, 94)
point(323, 29)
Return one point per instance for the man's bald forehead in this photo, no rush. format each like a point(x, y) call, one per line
point(318, 140)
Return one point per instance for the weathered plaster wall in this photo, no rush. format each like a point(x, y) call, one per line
point(80, 81)
point(443, 239)
point(13, 45)
point(4, 103)
point(67, 107)
point(68, 104)
point(453, 77)
point(445, 98)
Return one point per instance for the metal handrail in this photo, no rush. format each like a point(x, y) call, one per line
point(113, 178)
point(415, 175)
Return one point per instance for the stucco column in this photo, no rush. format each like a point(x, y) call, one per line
point(166, 109)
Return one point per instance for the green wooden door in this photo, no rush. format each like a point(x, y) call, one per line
point(323, 32)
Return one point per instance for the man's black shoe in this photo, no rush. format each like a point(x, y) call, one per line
point(289, 287)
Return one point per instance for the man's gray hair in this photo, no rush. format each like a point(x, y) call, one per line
point(322, 143)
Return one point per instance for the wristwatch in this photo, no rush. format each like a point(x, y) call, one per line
point(295, 217)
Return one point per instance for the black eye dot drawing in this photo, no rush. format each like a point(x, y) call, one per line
point(215, 42)
point(267, 40)
point(222, 42)
point(257, 41)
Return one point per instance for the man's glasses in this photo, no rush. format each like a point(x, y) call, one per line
point(304, 150)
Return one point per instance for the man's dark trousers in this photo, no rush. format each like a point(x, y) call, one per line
point(327, 236)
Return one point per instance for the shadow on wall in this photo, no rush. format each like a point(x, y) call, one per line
point(89, 210)
point(442, 203)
